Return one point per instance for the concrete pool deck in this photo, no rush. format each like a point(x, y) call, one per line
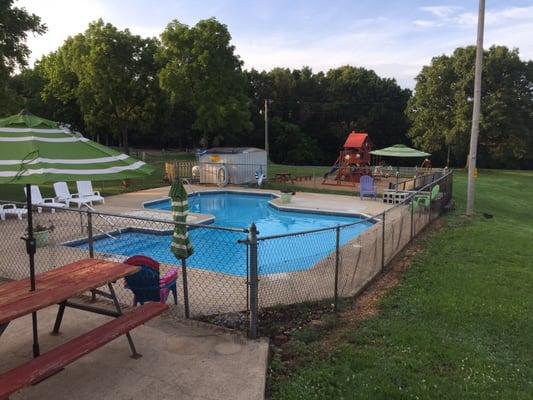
point(181, 360)
point(302, 200)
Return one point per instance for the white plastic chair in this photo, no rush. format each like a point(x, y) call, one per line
point(63, 195)
point(11, 209)
point(38, 200)
point(85, 190)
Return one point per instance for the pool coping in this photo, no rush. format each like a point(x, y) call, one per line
point(273, 196)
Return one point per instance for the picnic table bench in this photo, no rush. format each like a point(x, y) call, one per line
point(284, 177)
point(57, 287)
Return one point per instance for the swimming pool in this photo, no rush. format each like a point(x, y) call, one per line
point(220, 251)
point(239, 210)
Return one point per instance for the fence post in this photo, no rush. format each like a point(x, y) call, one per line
point(412, 206)
point(252, 242)
point(430, 190)
point(185, 288)
point(337, 256)
point(383, 242)
point(90, 240)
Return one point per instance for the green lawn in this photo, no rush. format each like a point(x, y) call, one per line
point(460, 324)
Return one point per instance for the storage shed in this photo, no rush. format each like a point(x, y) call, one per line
point(235, 165)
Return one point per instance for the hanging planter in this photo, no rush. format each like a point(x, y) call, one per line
point(41, 233)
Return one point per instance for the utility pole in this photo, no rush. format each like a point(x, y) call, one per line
point(266, 127)
point(476, 111)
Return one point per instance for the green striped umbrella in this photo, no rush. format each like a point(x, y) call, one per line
point(399, 150)
point(181, 245)
point(35, 150)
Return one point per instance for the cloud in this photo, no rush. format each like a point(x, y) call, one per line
point(441, 11)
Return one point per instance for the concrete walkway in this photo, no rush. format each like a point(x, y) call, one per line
point(181, 360)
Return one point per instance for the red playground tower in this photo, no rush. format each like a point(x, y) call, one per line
point(352, 162)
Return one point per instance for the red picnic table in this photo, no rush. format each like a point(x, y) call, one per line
point(58, 286)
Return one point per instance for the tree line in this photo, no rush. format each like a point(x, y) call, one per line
point(188, 89)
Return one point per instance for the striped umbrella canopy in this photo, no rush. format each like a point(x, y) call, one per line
point(35, 150)
point(180, 246)
point(399, 150)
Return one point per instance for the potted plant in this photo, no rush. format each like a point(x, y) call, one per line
point(41, 233)
point(286, 195)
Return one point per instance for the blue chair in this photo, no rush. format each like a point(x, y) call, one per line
point(147, 285)
point(367, 187)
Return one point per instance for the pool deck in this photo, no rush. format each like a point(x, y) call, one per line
point(132, 202)
point(180, 360)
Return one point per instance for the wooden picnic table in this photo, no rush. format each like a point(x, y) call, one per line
point(58, 286)
point(284, 177)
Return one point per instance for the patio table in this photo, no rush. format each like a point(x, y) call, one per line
point(58, 286)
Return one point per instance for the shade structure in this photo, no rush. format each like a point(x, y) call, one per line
point(35, 150)
point(181, 245)
point(399, 150)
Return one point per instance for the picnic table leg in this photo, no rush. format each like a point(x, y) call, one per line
point(59, 318)
point(134, 353)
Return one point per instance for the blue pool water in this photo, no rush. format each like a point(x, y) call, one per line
point(239, 210)
point(219, 251)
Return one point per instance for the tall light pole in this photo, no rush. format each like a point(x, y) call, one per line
point(266, 126)
point(476, 111)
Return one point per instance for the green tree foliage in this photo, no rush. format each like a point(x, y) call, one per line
point(201, 70)
point(290, 145)
point(328, 106)
point(15, 23)
point(110, 75)
point(441, 109)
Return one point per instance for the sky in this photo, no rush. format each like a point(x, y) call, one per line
point(394, 37)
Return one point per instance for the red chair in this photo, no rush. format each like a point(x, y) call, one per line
point(147, 285)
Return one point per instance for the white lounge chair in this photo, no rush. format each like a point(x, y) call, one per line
point(85, 190)
point(11, 209)
point(38, 200)
point(63, 195)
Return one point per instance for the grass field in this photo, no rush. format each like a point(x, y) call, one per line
point(458, 326)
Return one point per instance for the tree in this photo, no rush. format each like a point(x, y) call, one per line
point(326, 107)
point(15, 23)
point(201, 69)
point(290, 144)
point(441, 109)
point(110, 74)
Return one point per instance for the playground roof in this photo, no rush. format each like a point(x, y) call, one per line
point(355, 139)
point(399, 150)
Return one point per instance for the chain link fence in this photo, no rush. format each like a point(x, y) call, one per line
point(232, 271)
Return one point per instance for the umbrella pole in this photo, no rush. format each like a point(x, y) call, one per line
point(30, 249)
point(185, 287)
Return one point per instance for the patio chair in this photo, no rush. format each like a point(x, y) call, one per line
point(11, 209)
point(147, 285)
point(367, 187)
point(425, 200)
point(38, 200)
point(63, 195)
point(85, 191)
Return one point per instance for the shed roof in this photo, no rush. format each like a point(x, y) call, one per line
point(231, 150)
point(355, 140)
